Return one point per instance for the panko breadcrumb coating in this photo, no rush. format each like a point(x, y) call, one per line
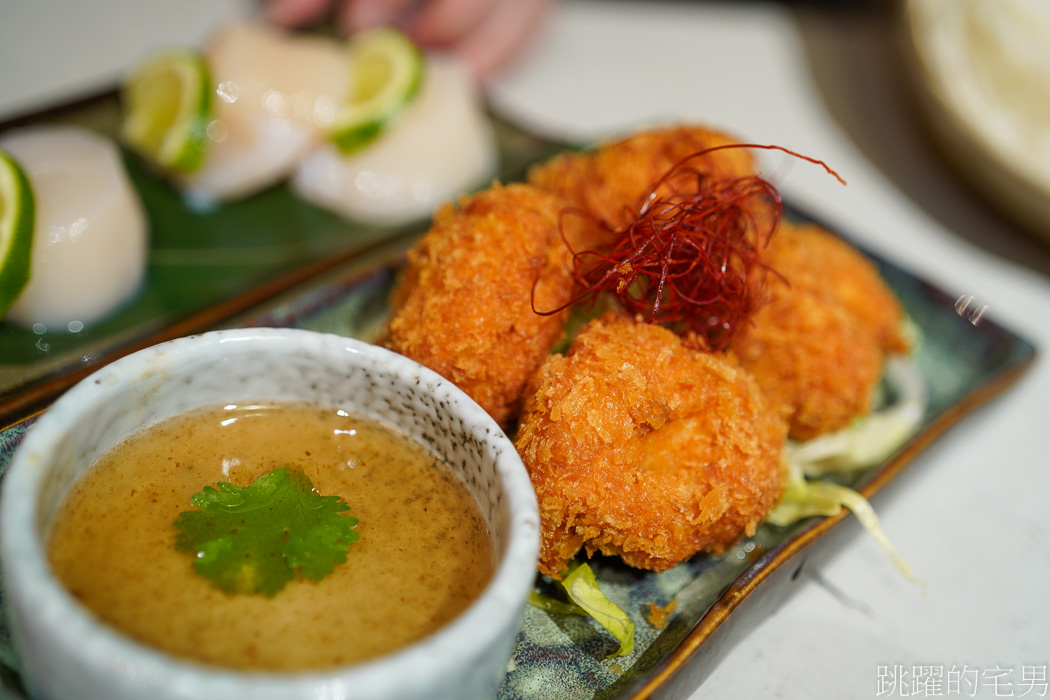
point(611, 182)
point(641, 447)
point(815, 259)
point(817, 348)
point(463, 306)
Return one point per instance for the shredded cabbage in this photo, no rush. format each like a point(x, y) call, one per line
point(866, 442)
point(869, 440)
point(803, 499)
point(582, 588)
point(587, 598)
point(553, 605)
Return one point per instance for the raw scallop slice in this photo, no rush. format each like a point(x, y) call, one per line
point(90, 240)
point(440, 147)
point(275, 96)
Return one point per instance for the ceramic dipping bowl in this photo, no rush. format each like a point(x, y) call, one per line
point(65, 652)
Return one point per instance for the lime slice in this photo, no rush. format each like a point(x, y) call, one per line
point(388, 70)
point(17, 215)
point(167, 107)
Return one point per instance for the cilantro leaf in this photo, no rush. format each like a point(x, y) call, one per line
point(257, 538)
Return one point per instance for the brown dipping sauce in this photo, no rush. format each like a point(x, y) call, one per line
point(423, 556)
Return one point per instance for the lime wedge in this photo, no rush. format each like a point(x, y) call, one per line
point(167, 107)
point(388, 70)
point(17, 215)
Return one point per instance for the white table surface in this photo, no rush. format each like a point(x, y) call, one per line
point(970, 514)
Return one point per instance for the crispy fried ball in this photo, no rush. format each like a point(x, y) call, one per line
point(641, 447)
point(815, 259)
point(463, 306)
point(612, 182)
point(817, 348)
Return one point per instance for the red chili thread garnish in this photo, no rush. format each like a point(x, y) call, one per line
point(689, 260)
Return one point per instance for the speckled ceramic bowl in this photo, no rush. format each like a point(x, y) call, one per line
point(65, 653)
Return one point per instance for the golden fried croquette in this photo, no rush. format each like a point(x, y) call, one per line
point(463, 306)
point(641, 447)
point(611, 182)
point(815, 259)
point(811, 360)
point(817, 347)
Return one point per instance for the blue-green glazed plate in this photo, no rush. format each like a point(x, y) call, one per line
point(717, 599)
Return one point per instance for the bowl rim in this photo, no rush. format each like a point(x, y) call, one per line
point(31, 584)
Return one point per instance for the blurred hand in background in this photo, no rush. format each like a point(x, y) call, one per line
point(487, 34)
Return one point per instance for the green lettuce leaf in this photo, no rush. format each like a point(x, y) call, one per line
point(583, 590)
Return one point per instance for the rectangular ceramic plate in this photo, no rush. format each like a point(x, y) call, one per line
point(337, 278)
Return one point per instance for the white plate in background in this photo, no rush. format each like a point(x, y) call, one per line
point(982, 73)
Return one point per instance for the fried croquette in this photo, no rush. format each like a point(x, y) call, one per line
point(464, 305)
point(612, 182)
point(641, 447)
point(813, 258)
point(817, 348)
